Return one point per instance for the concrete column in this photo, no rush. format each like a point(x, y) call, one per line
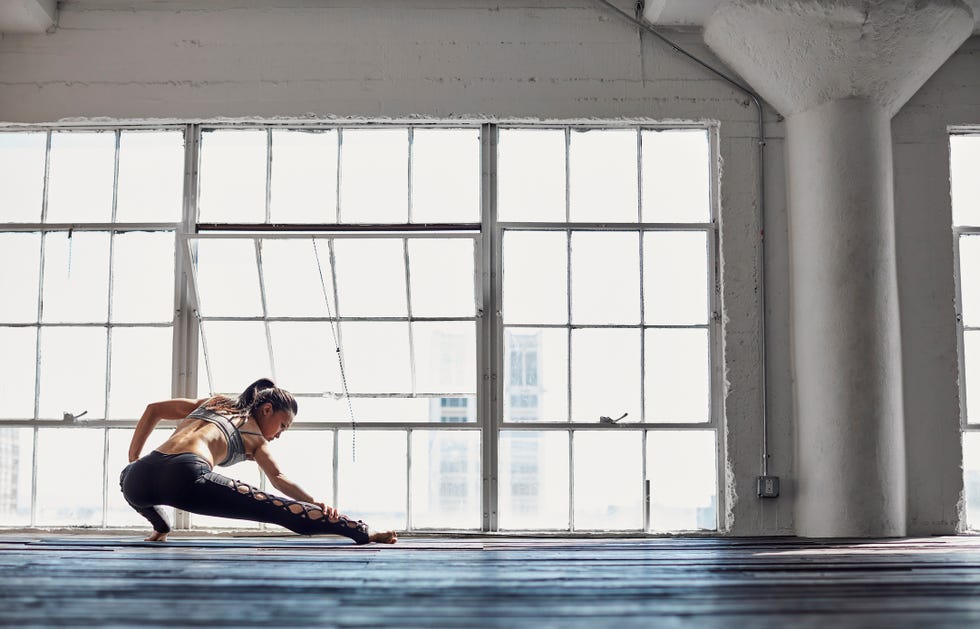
point(839, 70)
point(845, 324)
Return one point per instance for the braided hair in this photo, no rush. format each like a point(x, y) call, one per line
point(264, 390)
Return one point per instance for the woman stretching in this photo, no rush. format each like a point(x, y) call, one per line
point(227, 431)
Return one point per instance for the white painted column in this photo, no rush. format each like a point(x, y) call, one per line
point(839, 70)
point(845, 323)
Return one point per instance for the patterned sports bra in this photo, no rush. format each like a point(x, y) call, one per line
point(236, 447)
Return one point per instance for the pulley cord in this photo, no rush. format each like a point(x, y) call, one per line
point(340, 357)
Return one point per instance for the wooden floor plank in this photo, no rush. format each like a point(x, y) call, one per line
point(56, 580)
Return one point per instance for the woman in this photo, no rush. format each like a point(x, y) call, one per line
point(225, 431)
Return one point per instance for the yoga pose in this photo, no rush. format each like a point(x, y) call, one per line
point(227, 431)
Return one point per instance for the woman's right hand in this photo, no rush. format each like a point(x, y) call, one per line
point(332, 514)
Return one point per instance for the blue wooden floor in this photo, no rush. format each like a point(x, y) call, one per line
point(82, 580)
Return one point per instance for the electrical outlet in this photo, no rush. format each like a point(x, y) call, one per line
point(768, 486)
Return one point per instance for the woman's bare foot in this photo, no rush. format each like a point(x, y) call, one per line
point(156, 537)
point(383, 537)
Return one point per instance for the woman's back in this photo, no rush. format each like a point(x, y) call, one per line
point(204, 436)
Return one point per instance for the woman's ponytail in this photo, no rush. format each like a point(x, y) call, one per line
point(264, 390)
point(247, 398)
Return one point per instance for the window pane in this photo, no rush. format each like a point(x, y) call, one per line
point(387, 409)
point(605, 277)
point(304, 177)
point(536, 374)
point(676, 176)
point(293, 285)
point(374, 176)
point(76, 277)
point(73, 372)
point(446, 479)
point(531, 175)
point(151, 177)
point(693, 503)
point(446, 176)
point(20, 262)
point(118, 512)
point(243, 473)
point(442, 277)
point(971, 377)
point(675, 278)
point(608, 480)
point(602, 176)
point(533, 489)
point(445, 357)
point(80, 176)
point(16, 459)
point(965, 185)
point(306, 457)
point(74, 500)
point(232, 176)
point(237, 352)
point(17, 372)
point(970, 279)
point(677, 376)
point(143, 277)
point(305, 357)
point(227, 278)
point(376, 357)
point(971, 479)
point(373, 487)
point(605, 374)
point(141, 370)
point(22, 162)
point(535, 277)
point(371, 277)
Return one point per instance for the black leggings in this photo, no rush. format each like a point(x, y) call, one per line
point(186, 481)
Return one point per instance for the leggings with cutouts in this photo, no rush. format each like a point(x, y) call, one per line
point(186, 481)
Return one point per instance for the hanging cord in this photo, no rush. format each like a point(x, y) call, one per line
point(70, 230)
point(340, 356)
point(204, 346)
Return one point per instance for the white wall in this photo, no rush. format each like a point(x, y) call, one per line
point(115, 59)
point(924, 245)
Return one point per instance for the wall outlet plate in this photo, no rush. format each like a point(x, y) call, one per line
point(768, 487)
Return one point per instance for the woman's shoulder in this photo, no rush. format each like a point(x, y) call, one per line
point(220, 403)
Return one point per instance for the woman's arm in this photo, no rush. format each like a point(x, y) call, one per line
point(264, 458)
point(170, 409)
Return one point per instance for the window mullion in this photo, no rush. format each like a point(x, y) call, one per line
point(188, 332)
point(265, 308)
point(489, 268)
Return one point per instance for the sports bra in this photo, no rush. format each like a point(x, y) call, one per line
point(236, 447)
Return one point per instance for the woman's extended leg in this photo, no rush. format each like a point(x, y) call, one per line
point(217, 495)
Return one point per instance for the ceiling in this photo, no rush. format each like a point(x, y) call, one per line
point(38, 16)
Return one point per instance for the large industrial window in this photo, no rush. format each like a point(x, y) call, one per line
point(87, 254)
point(965, 193)
point(526, 316)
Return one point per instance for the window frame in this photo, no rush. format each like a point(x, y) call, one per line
point(112, 229)
point(490, 350)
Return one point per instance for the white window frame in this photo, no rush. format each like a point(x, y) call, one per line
point(490, 353)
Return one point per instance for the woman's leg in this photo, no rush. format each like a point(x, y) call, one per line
point(216, 495)
point(136, 495)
